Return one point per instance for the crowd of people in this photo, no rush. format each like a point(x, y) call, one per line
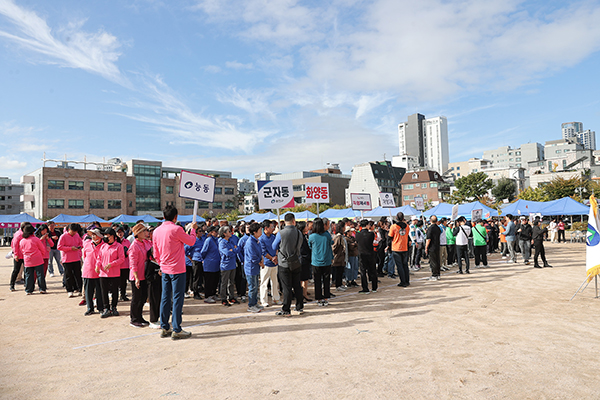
point(264, 264)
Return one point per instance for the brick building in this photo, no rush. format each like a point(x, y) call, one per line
point(427, 184)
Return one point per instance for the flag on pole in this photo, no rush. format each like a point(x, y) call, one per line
point(592, 255)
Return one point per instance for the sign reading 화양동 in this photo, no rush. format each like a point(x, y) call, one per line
point(275, 194)
point(317, 192)
point(419, 203)
point(197, 186)
point(361, 201)
point(387, 200)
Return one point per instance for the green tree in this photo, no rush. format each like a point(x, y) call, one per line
point(532, 194)
point(505, 189)
point(560, 187)
point(471, 187)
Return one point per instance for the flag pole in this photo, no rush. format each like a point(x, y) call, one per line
point(195, 211)
point(596, 283)
point(579, 288)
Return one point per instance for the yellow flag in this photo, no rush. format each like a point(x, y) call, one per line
point(592, 254)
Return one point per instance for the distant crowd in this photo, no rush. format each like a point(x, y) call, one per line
point(263, 264)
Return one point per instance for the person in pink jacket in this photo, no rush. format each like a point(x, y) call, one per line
point(91, 278)
point(168, 241)
point(32, 251)
point(108, 267)
point(70, 245)
point(125, 266)
point(138, 254)
point(17, 256)
point(43, 233)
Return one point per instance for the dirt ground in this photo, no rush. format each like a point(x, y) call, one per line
point(505, 332)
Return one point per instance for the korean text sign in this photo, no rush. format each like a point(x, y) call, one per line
point(317, 192)
point(197, 187)
point(361, 201)
point(387, 200)
point(275, 194)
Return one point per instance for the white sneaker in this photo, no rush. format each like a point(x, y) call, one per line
point(186, 296)
point(154, 325)
point(437, 278)
point(71, 294)
point(504, 257)
point(51, 275)
point(265, 305)
point(254, 309)
point(432, 278)
point(341, 289)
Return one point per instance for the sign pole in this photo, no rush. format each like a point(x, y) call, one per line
point(596, 283)
point(278, 217)
point(362, 214)
point(318, 215)
point(195, 211)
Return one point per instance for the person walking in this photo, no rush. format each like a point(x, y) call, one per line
point(537, 240)
point(32, 251)
point(462, 232)
point(399, 233)
point(91, 278)
point(288, 244)
point(432, 248)
point(524, 233)
point(70, 245)
point(480, 240)
point(321, 257)
point(168, 242)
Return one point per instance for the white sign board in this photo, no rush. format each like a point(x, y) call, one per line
point(361, 201)
point(455, 212)
point(275, 194)
point(419, 203)
point(317, 192)
point(196, 186)
point(476, 214)
point(387, 200)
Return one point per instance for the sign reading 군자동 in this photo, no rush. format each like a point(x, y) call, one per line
point(275, 194)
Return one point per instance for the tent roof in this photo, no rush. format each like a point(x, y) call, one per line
point(524, 207)
point(345, 213)
point(18, 218)
point(67, 219)
point(441, 210)
point(386, 212)
point(187, 218)
point(564, 206)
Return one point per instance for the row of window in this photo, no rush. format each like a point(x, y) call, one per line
point(217, 205)
point(422, 185)
point(94, 186)
point(412, 197)
point(79, 204)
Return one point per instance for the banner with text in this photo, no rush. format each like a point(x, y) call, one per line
point(197, 186)
point(476, 215)
point(387, 200)
point(317, 192)
point(275, 194)
point(361, 201)
point(419, 203)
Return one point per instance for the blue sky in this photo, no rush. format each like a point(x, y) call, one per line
point(283, 85)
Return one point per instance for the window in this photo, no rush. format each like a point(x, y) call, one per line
point(169, 189)
point(189, 204)
point(52, 184)
point(75, 185)
point(407, 197)
point(202, 204)
point(518, 153)
point(229, 205)
point(3, 188)
point(114, 187)
point(218, 190)
point(217, 205)
point(130, 203)
point(169, 203)
point(557, 151)
point(518, 159)
point(76, 204)
point(423, 185)
point(458, 168)
point(2, 198)
point(298, 188)
point(229, 190)
point(114, 204)
point(408, 187)
point(433, 184)
point(129, 188)
point(458, 175)
point(424, 196)
point(97, 186)
point(97, 204)
point(56, 203)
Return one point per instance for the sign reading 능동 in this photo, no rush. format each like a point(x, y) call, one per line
point(387, 200)
point(361, 201)
point(317, 192)
point(196, 186)
point(275, 194)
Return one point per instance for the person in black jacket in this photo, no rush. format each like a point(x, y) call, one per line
point(305, 254)
point(524, 232)
point(537, 240)
point(366, 255)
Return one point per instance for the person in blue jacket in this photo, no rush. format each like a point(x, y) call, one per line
point(253, 262)
point(229, 252)
point(211, 261)
point(194, 253)
point(241, 283)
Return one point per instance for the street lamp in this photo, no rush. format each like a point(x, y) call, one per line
point(581, 190)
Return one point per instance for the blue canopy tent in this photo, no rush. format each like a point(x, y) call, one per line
point(125, 219)
point(524, 207)
point(564, 206)
point(386, 212)
point(301, 216)
point(149, 219)
point(18, 218)
point(68, 219)
point(258, 217)
point(339, 214)
point(440, 211)
point(465, 210)
point(186, 219)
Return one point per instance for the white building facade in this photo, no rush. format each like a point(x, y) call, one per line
point(424, 140)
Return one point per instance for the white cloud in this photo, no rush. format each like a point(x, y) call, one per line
point(252, 101)
point(213, 69)
point(93, 52)
point(238, 65)
point(11, 164)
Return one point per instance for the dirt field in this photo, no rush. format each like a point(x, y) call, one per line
point(506, 332)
